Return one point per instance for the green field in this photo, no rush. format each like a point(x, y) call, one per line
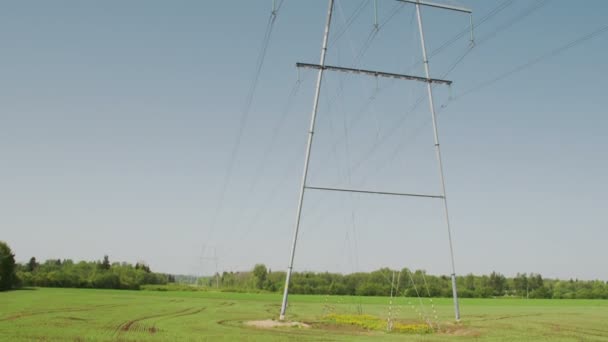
point(120, 315)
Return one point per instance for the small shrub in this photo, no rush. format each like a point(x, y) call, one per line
point(370, 322)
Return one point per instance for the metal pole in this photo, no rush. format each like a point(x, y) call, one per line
point(389, 326)
point(440, 164)
point(307, 159)
point(376, 14)
point(472, 35)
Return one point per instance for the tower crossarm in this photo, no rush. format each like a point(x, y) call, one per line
point(436, 5)
point(373, 73)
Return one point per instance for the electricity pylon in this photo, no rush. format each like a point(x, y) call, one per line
point(321, 67)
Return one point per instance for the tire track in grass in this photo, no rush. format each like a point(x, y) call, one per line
point(587, 332)
point(135, 325)
point(507, 317)
point(227, 304)
point(126, 326)
point(26, 314)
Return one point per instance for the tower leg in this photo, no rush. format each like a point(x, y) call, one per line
point(429, 89)
point(307, 159)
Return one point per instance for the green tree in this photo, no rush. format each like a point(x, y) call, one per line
point(520, 283)
point(535, 281)
point(259, 273)
point(469, 282)
point(106, 280)
point(497, 283)
point(8, 278)
point(542, 292)
point(32, 264)
point(105, 264)
point(140, 265)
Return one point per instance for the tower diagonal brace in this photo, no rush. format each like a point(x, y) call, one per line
point(373, 192)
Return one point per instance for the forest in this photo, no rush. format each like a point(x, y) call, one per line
point(103, 274)
point(409, 283)
point(87, 274)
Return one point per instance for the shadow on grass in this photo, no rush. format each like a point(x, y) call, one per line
point(23, 289)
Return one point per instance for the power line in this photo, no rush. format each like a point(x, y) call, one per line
point(364, 48)
point(519, 68)
point(450, 41)
point(274, 134)
point(487, 37)
point(357, 59)
point(349, 22)
point(266, 155)
point(420, 99)
point(520, 16)
point(492, 13)
point(503, 27)
point(534, 61)
point(503, 5)
point(523, 14)
point(396, 9)
point(245, 111)
point(359, 55)
point(484, 19)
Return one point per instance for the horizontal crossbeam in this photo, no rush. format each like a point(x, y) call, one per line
point(372, 73)
point(436, 5)
point(372, 192)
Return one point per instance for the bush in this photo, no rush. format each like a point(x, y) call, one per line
point(369, 322)
point(8, 278)
point(66, 273)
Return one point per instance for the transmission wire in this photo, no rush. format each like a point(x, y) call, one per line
point(275, 132)
point(484, 19)
point(533, 61)
point(245, 113)
point(285, 173)
point(349, 22)
point(420, 100)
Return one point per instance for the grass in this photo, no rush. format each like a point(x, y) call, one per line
point(109, 315)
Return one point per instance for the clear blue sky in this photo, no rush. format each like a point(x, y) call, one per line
point(117, 121)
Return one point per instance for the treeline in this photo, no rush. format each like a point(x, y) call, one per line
point(106, 275)
point(100, 274)
point(408, 283)
point(87, 274)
